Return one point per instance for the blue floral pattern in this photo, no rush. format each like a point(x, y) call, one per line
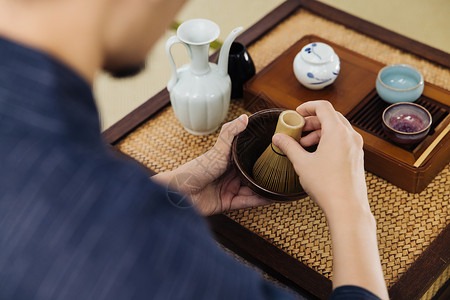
point(311, 50)
point(312, 76)
point(318, 80)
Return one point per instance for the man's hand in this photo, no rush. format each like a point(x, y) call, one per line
point(333, 176)
point(210, 182)
point(335, 171)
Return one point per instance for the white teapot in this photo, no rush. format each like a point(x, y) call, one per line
point(316, 66)
point(200, 91)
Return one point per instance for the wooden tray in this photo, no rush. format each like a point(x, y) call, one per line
point(354, 95)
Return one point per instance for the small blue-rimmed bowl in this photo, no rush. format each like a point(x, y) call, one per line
point(406, 123)
point(399, 83)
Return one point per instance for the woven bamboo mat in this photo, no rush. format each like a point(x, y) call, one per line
point(407, 223)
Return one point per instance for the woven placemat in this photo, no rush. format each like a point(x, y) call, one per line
point(407, 223)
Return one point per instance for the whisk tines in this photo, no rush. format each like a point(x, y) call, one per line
point(273, 170)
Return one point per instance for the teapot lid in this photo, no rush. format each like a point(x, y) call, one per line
point(317, 53)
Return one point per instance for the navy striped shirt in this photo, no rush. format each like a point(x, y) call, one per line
point(78, 223)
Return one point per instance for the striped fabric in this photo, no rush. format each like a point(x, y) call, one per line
point(78, 223)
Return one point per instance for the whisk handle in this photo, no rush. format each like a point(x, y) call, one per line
point(290, 123)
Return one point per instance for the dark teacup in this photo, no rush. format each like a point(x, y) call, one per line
point(406, 123)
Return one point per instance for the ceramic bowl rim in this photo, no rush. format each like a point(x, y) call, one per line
point(418, 85)
point(289, 196)
point(408, 133)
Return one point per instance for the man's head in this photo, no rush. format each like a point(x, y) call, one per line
point(132, 27)
point(115, 35)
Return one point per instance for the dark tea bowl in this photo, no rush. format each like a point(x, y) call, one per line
point(248, 146)
point(406, 123)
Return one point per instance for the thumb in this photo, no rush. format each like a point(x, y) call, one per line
point(229, 131)
point(290, 147)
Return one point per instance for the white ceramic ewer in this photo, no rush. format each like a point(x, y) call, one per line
point(200, 91)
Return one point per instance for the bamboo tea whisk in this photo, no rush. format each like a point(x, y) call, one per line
point(273, 170)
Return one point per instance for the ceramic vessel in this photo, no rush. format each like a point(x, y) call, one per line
point(248, 146)
point(406, 123)
point(240, 68)
point(316, 66)
point(399, 83)
point(200, 91)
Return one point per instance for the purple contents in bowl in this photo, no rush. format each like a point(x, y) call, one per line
point(406, 123)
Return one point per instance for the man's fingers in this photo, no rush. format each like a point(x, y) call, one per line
point(320, 108)
point(228, 132)
point(290, 147)
point(311, 123)
point(311, 139)
point(235, 127)
point(247, 198)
